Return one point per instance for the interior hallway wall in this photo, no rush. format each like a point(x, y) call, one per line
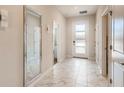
point(99, 46)
point(49, 15)
point(90, 34)
point(11, 43)
point(61, 21)
point(47, 54)
point(11, 48)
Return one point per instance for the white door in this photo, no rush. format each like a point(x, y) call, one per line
point(79, 41)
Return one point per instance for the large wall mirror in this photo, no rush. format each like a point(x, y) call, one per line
point(32, 45)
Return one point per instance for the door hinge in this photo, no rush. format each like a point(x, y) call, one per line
point(110, 13)
point(110, 47)
point(0, 17)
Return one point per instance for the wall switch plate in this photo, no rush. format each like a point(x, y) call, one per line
point(4, 14)
point(4, 18)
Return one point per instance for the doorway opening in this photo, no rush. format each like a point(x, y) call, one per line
point(107, 42)
point(55, 41)
point(32, 45)
point(105, 18)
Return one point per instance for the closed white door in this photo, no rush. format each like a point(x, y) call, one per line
point(79, 41)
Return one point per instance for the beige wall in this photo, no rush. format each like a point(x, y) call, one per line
point(99, 46)
point(11, 43)
point(11, 51)
point(61, 21)
point(90, 34)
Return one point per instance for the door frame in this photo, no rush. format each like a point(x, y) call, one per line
point(107, 11)
point(25, 8)
point(56, 25)
point(73, 38)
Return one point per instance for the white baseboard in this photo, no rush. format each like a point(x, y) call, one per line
point(34, 79)
point(60, 60)
point(92, 58)
point(69, 56)
point(40, 77)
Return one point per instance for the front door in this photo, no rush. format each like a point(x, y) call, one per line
point(79, 41)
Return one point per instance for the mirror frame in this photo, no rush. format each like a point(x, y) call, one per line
point(25, 9)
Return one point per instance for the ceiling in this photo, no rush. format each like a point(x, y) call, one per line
point(73, 10)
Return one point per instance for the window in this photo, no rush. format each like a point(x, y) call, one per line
point(80, 39)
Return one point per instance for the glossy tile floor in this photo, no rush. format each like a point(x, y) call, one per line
point(73, 73)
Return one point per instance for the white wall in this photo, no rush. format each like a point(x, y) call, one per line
point(92, 30)
point(90, 34)
point(11, 43)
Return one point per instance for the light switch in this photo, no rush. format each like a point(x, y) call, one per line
point(4, 14)
point(4, 18)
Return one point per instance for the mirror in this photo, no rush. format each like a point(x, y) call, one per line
point(32, 38)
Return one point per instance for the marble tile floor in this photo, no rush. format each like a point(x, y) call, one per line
point(73, 72)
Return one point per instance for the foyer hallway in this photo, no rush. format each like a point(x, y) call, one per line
point(73, 72)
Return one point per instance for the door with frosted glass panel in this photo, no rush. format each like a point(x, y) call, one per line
point(32, 45)
point(79, 42)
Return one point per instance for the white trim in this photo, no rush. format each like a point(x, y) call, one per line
point(92, 58)
point(105, 12)
point(33, 80)
point(40, 77)
point(32, 11)
point(60, 60)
